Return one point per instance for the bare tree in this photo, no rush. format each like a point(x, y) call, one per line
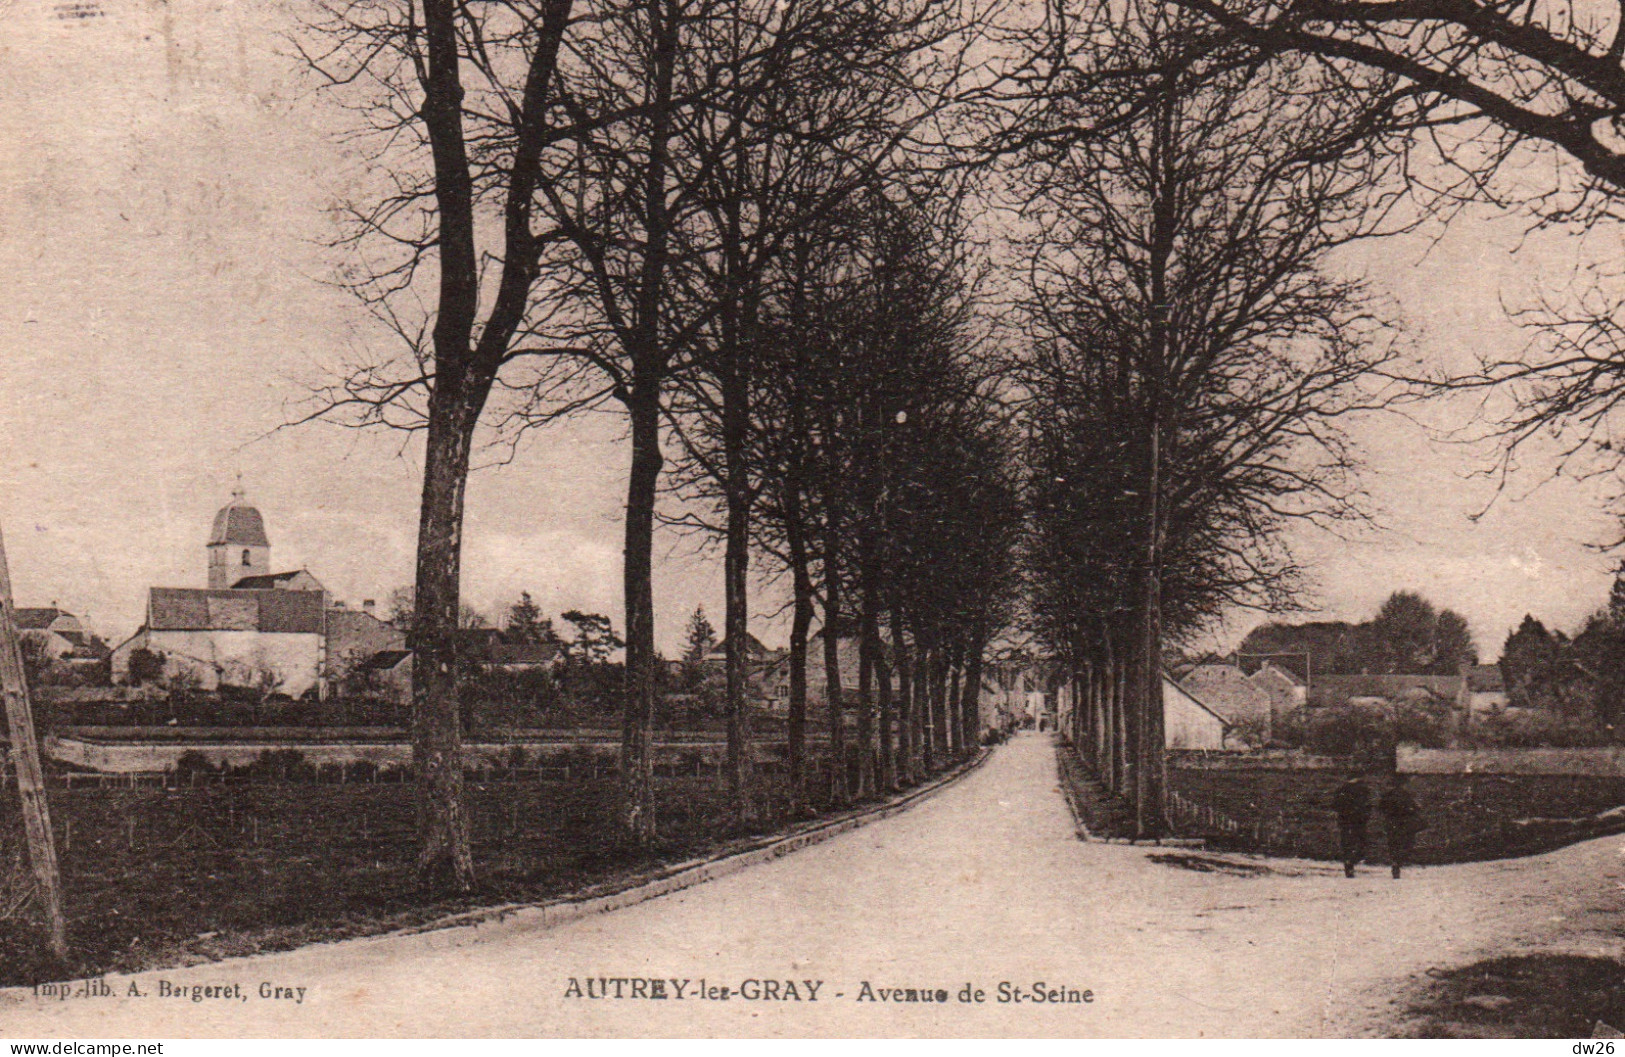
point(1521, 105)
point(1545, 76)
point(459, 100)
point(1192, 360)
point(836, 91)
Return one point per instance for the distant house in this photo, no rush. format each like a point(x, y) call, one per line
point(389, 669)
point(354, 635)
point(1287, 689)
point(390, 674)
point(757, 655)
point(1189, 722)
point(1229, 691)
point(1486, 688)
point(523, 656)
point(773, 673)
point(59, 635)
point(1008, 685)
point(1419, 690)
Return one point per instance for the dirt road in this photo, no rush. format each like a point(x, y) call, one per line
point(984, 884)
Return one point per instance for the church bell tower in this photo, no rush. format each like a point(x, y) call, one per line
point(238, 546)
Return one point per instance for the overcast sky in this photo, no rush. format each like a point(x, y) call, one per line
point(162, 195)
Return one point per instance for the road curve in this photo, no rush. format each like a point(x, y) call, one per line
point(983, 884)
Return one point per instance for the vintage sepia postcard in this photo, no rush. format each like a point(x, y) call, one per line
point(811, 518)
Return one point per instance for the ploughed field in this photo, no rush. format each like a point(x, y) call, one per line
point(1467, 816)
point(155, 876)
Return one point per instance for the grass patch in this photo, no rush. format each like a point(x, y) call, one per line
point(1538, 996)
point(1209, 864)
point(161, 877)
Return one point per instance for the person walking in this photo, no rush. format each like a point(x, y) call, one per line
point(1352, 804)
point(1402, 820)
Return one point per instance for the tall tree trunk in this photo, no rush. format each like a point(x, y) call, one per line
point(649, 366)
point(832, 673)
point(1151, 756)
point(800, 626)
point(637, 733)
point(888, 756)
point(956, 725)
point(735, 319)
point(970, 703)
point(1149, 776)
point(1123, 738)
point(1104, 680)
point(736, 562)
point(905, 700)
point(922, 705)
point(1166, 212)
point(1086, 692)
point(445, 860)
point(868, 647)
point(939, 711)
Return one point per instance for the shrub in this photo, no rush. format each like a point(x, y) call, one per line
point(1364, 731)
point(583, 760)
point(146, 666)
point(193, 762)
point(1537, 728)
point(283, 765)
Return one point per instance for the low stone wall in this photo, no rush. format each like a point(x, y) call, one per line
point(129, 756)
point(1238, 760)
point(1602, 762)
point(1467, 815)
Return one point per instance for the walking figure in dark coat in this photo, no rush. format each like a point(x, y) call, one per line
point(1402, 820)
point(1352, 803)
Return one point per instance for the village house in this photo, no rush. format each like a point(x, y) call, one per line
point(774, 681)
point(387, 671)
point(1191, 723)
point(1232, 694)
point(388, 675)
point(1440, 691)
point(1288, 691)
point(1010, 690)
point(59, 636)
point(1258, 700)
point(270, 639)
point(1486, 689)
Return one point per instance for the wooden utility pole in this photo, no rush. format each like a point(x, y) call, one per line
point(30, 778)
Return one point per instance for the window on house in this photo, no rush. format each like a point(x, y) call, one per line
point(245, 558)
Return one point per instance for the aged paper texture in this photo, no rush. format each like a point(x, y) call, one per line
point(810, 518)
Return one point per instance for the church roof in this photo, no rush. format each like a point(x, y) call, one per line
point(240, 524)
point(202, 609)
point(266, 580)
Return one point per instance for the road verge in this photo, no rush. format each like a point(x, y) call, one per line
point(617, 895)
